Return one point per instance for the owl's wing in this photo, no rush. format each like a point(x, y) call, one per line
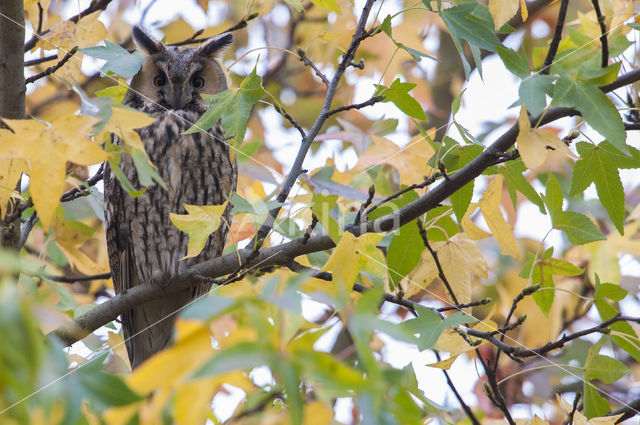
point(119, 246)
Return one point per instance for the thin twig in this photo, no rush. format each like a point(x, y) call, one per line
point(603, 31)
point(40, 60)
point(305, 60)
point(425, 183)
point(529, 290)
point(443, 278)
point(53, 68)
point(26, 229)
point(369, 102)
point(465, 407)
point(557, 36)
point(363, 207)
point(194, 40)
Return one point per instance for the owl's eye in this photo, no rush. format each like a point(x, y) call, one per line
point(159, 80)
point(197, 81)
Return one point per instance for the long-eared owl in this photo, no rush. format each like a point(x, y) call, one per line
point(143, 244)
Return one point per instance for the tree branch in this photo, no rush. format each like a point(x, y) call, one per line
point(557, 36)
point(603, 30)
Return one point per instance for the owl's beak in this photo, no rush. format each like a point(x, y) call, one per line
point(178, 98)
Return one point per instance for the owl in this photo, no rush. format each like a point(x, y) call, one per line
point(143, 244)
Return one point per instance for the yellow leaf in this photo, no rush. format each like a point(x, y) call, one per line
point(190, 351)
point(120, 415)
point(444, 364)
point(69, 237)
point(123, 122)
point(116, 343)
point(459, 257)
point(502, 11)
point(177, 30)
point(193, 401)
point(533, 143)
point(490, 207)
point(199, 223)
point(331, 5)
point(64, 35)
point(524, 12)
point(469, 227)
point(410, 161)
point(48, 148)
point(10, 172)
point(350, 256)
point(317, 413)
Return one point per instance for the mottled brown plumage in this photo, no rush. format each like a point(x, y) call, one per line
point(143, 244)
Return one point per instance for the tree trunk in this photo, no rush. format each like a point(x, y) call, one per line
point(12, 87)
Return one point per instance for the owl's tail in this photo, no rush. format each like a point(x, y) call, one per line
point(149, 327)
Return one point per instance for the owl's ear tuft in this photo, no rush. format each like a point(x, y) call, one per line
point(216, 45)
point(145, 41)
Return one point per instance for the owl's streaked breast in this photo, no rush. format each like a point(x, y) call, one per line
point(197, 170)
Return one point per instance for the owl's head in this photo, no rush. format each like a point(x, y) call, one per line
point(175, 77)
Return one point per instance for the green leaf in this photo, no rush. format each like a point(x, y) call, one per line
point(600, 113)
point(578, 227)
point(553, 196)
point(599, 76)
point(247, 150)
point(417, 55)
point(430, 325)
point(288, 228)
point(103, 389)
point(469, 22)
point(460, 200)
point(512, 172)
point(321, 207)
point(67, 302)
point(404, 252)
point(594, 404)
point(610, 291)
point(533, 91)
point(331, 375)
point(597, 166)
point(207, 308)
point(244, 355)
point(398, 94)
point(147, 173)
point(235, 105)
point(604, 368)
point(119, 61)
point(515, 63)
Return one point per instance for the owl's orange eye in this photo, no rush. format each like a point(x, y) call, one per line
point(159, 80)
point(197, 81)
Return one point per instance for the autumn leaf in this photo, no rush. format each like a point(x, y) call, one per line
point(199, 222)
point(48, 149)
point(502, 11)
point(459, 257)
point(70, 236)
point(351, 255)
point(123, 122)
point(410, 161)
point(533, 144)
point(490, 207)
point(190, 351)
point(10, 172)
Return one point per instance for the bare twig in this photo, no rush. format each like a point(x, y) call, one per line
point(369, 102)
point(53, 68)
point(305, 60)
point(603, 30)
point(194, 40)
point(465, 407)
point(365, 204)
point(557, 36)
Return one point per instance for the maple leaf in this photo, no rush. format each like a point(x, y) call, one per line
point(48, 149)
point(410, 161)
point(199, 222)
point(351, 255)
point(533, 144)
point(459, 257)
point(490, 207)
